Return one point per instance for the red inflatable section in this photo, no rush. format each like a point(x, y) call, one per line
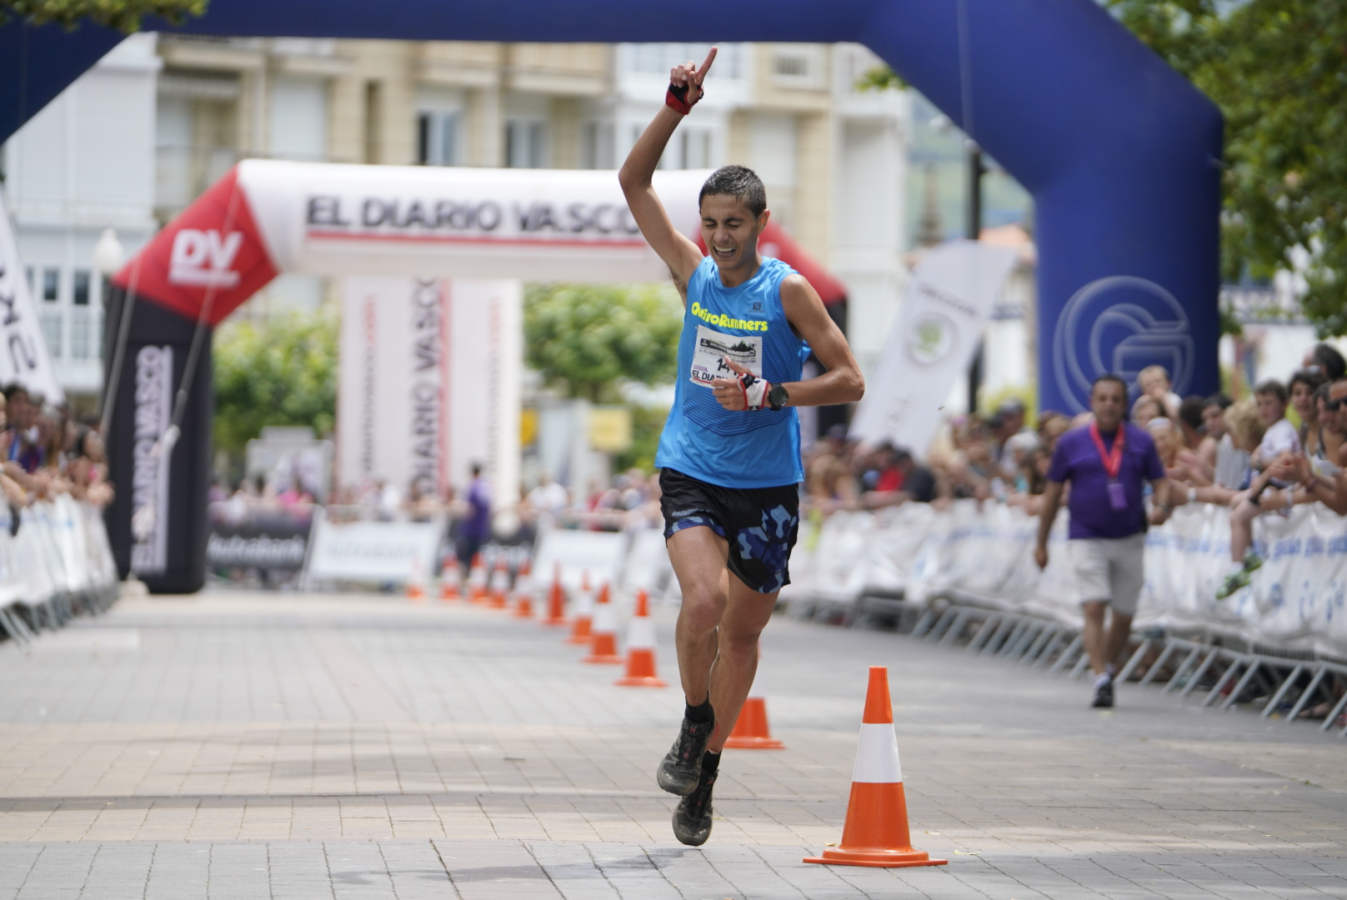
point(210, 257)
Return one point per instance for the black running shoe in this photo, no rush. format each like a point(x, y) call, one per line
point(1103, 695)
point(682, 765)
point(692, 818)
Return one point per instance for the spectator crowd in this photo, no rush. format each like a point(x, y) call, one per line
point(47, 453)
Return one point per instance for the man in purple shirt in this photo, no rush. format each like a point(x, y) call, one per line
point(1107, 463)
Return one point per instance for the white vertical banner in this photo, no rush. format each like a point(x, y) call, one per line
point(150, 469)
point(949, 296)
point(429, 382)
point(23, 352)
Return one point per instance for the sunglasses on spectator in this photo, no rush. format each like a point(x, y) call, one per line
point(1334, 405)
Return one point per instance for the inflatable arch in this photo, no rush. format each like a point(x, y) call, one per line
point(1120, 153)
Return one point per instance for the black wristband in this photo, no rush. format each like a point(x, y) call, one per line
point(777, 397)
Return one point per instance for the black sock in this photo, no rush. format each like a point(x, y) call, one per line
point(702, 712)
point(710, 763)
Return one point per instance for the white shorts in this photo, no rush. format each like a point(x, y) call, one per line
point(1110, 570)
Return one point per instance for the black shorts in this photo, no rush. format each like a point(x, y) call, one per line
point(760, 524)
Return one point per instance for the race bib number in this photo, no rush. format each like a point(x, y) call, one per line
point(708, 356)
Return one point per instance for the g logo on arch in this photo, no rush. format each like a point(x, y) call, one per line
point(1120, 324)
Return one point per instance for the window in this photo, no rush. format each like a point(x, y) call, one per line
point(799, 66)
point(437, 137)
point(80, 294)
point(51, 330)
point(51, 285)
point(525, 144)
point(596, 146)
point(696, 147)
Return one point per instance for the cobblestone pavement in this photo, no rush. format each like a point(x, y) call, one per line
point(251, 745)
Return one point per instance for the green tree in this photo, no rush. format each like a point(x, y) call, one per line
point(282, 372)
point(587, 340)
point(1276, 70)
point(122, 14)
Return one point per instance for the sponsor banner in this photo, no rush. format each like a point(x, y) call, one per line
point(210, 258)
point(471, 223)
point(373, 552)
point(949, 296)
point(23, 351)
point(151, 459)
point(276, 544)
point(429, 382)
point(596, 554)
point(1296, 601)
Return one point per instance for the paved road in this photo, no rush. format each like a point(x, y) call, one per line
point(251, 745)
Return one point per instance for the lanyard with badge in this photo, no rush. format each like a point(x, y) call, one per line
point(1112, 460)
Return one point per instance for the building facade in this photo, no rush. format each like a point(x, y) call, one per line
point(161, 118)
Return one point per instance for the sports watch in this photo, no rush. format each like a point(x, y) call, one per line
point(777, 396)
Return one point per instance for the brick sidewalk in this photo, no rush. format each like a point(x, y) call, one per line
point(250, 745)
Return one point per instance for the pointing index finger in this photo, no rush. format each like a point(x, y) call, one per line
point(706, 65)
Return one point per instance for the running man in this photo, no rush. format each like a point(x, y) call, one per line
point(730, 451)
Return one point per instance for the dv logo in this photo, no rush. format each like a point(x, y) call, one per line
point(205, 258)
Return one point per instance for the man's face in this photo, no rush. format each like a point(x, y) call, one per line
point(1106, 402)
point(1154, 384)
point(1213, 420)
point(730, 230)
point(1270, 408)
point(1338, 394)
point(18, 411)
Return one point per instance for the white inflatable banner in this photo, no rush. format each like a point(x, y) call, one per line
point(429, 383)
point(948, 299)
point(464, 222)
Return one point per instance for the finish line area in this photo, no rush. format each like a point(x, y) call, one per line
point(243, 744)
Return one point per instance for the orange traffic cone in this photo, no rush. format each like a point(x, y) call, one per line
point(416, 581)
point(500, 585)
point(449, 581)
point(603, 645)
point(875, 833)
point(641, 648)
point(523, 592)
point(750, 729)
point(584, 613)
point(556, 600)
point(477, 580)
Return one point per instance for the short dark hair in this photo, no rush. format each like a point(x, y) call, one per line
point(740, 182)
point(1271, 386)
point(1190, 411)
point(1311, 378)
point(1219, 399)
point(1330, 360)
point(1109, 376)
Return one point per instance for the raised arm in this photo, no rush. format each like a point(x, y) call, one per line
point(679, 253)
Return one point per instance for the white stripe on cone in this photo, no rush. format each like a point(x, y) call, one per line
point(605, 620)
point(877, 756)
point(584, 604)
point(641, 633)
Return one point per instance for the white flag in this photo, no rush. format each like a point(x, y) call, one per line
point(948, 300)
point(23, 352)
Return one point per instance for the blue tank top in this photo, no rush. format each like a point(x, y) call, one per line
point(748, 449)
